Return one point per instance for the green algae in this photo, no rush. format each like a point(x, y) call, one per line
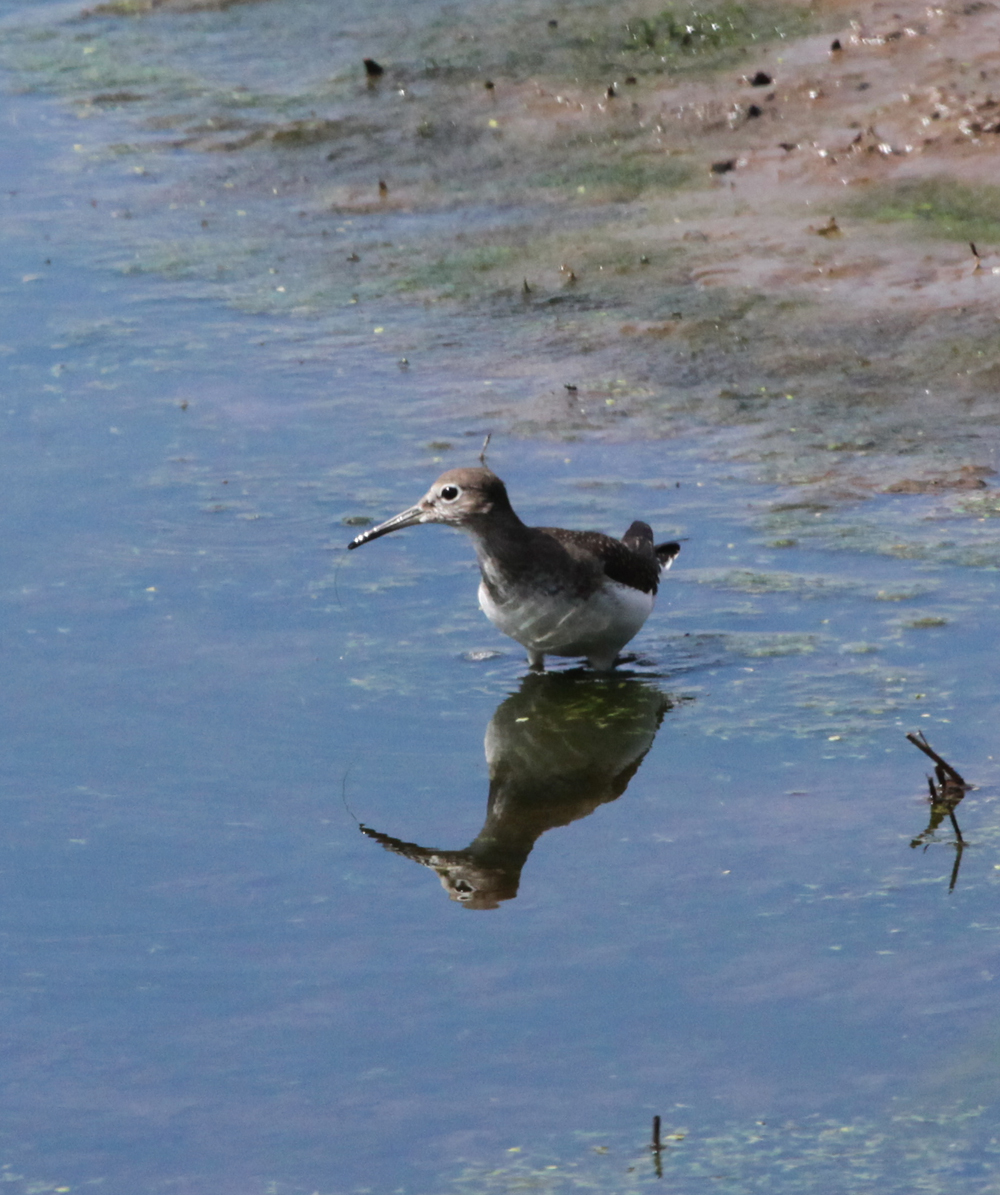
point(937, 207)
point(65, 61)
point(543, 265)
point(590, 43)
point(458, 273)
point(742, 580)
point(954, 531)
point(903, 1147)
point(616, 182)
point(715, 35)
point(980, 506)
point(141, 8)
point(760, 645)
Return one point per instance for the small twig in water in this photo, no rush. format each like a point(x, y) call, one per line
point(336, 571)
point(945, 796)
point(954, 823)
point(343, 792)
point(918, 740)
point(656, 1148)
point(959, 848)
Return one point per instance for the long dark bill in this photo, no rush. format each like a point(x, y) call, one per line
point(405, 518)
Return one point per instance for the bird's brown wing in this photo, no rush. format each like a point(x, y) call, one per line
point(636, 566)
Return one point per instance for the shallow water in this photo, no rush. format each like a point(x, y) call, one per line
point(708, 901)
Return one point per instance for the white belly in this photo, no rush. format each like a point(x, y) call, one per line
point(551, 624)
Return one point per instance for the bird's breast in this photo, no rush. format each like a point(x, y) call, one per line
point(563, 623)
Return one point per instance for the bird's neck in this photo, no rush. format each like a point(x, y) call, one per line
point(498, 535)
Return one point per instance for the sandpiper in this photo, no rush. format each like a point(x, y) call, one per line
point(557, 592)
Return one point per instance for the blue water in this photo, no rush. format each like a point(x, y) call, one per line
point(213, 981)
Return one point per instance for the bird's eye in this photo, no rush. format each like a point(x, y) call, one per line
point(450, 492)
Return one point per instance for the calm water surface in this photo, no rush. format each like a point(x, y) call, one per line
point(696, 893)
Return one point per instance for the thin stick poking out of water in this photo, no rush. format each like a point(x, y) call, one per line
point(918, 740)
point(946, 795)
point(656, 1148)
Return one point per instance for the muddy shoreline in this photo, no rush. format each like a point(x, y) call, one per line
point(766, 235)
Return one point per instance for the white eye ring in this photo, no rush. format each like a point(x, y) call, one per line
point(450, 493)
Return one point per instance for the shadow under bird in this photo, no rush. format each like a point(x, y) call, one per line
point(557, 592)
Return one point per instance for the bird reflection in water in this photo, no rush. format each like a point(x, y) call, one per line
point(559, 747)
